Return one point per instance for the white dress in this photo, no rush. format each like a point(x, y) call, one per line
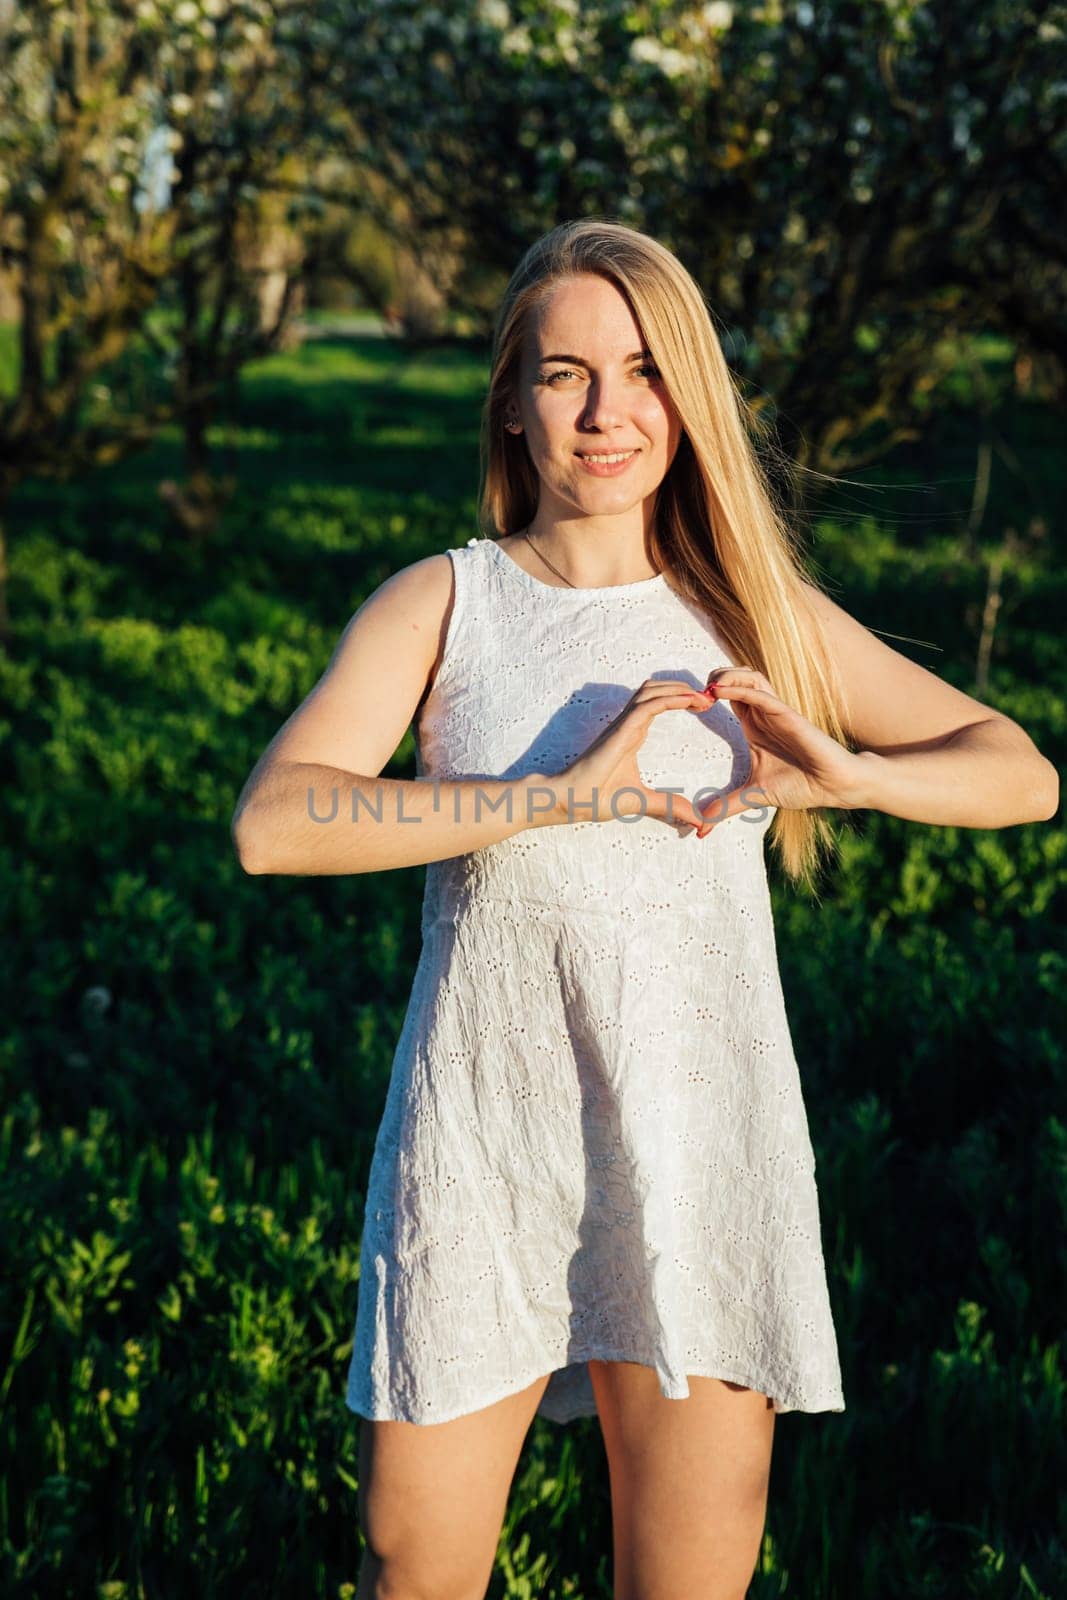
point(594, 1142)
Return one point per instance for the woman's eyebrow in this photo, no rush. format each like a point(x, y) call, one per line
point(638, 355)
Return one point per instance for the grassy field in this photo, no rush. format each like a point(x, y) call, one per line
point(197, 1060)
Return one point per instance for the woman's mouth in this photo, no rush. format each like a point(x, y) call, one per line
point(606, 463)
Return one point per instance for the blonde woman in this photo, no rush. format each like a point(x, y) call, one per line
point(593, 1187)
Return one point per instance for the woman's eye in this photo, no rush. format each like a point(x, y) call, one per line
point(567, 372)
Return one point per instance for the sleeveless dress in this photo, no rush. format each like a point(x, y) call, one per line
point(594, 1142)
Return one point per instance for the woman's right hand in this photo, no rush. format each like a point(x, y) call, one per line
point(585, 790)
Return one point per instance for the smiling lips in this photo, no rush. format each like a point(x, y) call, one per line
point(605, 463)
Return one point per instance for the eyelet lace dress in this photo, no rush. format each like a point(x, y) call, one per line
point(594, 1142)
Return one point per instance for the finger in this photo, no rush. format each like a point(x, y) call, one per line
point(724, 806)
point(675, 808)
point(730, 672)
point(652, 705)
point(743, 675)
point(661, 686)
point(750, 694)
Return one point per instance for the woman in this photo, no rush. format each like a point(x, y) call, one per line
point(593, 1187)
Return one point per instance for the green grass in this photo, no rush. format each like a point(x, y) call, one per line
point(198, 1060)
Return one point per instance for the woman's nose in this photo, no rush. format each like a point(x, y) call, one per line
point(603, 407)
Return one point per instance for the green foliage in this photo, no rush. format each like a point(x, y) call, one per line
point(199, 1059)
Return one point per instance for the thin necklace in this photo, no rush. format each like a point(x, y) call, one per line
point(526, 535)
point(544, 558)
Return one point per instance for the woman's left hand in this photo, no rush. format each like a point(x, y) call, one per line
point(795, 766)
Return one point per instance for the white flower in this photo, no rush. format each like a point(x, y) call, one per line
point(181, 104)
point(670, 62)
point(719, 14)
point(188, 11)
point(495, 14)
point(619, 119)
point(158, 172)
point(646, 49)
point(675, 62)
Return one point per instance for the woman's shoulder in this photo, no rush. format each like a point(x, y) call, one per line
point(423, 585)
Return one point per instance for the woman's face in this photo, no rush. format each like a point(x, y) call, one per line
point(588, 387)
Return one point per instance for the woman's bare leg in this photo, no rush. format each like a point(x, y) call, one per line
point(432, 1499)
point(689, 1483)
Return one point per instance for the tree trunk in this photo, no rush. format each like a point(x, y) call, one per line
point(196, 419)
point(6, 640)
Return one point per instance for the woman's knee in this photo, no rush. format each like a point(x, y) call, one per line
point(420, 1545)
point(432, 1498)
point(384, 1578)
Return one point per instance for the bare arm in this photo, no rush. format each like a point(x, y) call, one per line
point(927, 751)
point(339, 739)
point(312, 819)
point(982, 776)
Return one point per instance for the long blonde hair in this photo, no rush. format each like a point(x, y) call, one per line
point(717, 531)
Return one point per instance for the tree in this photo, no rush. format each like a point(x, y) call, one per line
point(855, 184)
point(139, 141)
